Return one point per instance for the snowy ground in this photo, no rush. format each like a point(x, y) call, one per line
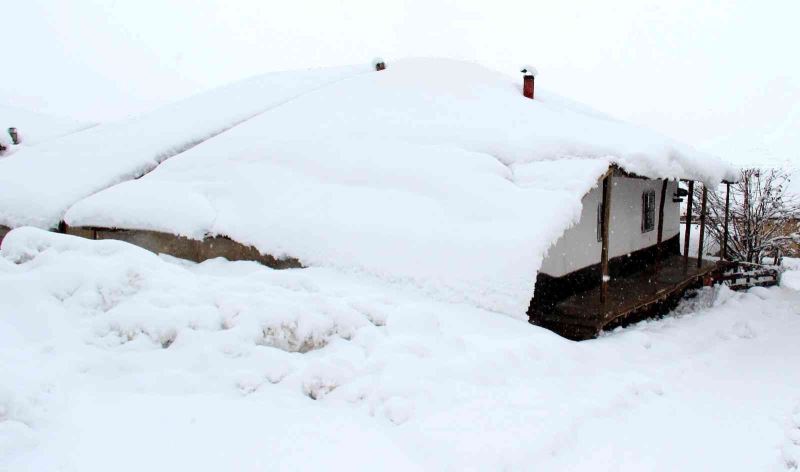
point(112, 358)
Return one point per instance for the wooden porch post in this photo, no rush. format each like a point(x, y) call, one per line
point(688, 229)
point(702, 226)
point(660, 234)
point(725, 233)
point(604, 235)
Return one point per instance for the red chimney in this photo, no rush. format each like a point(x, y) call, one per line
point(529, 75)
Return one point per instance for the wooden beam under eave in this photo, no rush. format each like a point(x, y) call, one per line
point(604, 278)
point(687, 232)
point(660, 232)
point(702, 226)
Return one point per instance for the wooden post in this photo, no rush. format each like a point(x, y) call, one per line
point(660, 234)
point(688, 231)
point(702, 226)
point(725, 231)
point(604, 233)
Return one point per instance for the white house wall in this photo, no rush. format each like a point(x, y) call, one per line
point(578, 246)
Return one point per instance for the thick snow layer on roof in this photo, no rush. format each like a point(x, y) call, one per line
point(436, 173)
point(35, 128)
point(38, 184)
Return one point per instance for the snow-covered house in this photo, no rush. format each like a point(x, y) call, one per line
point(435, 174)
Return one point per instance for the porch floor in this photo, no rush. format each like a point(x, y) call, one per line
point(582, 315)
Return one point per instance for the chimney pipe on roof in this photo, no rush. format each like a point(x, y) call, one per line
point(14, 135)
point(379, 64)
point(529, 75)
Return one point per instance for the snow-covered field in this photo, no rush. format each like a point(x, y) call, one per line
point(112, 358)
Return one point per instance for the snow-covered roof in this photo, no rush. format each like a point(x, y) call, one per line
point(434, 173)
point(38, 184)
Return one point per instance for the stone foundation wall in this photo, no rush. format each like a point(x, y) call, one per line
point(185, 248)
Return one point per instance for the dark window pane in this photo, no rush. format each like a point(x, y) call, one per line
point(648, 211)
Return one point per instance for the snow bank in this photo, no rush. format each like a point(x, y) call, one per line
point(433, 173)
point(104, 346)
point(283, 317)
point(790, 278)
point(114, 318)
point(38, 184)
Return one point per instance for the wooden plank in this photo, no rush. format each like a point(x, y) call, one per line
point(724, 254)
point(626, 294)
point(658, 297)
point(702, 225)
point(688, 230)
point(768, 283)
point(3, 232)
point(660, 235)
point(604, 235)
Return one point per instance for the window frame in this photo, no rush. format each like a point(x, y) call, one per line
point(648, 203)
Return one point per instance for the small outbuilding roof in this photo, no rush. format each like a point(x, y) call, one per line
point(434, 173)
point(38, 184)
point(35, 128)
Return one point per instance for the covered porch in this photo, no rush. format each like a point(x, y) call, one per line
point(652, 290)
point(628, 299)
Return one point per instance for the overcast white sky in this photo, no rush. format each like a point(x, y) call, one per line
point(695, 70)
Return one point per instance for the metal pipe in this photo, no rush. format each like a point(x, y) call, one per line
point(14, 135)
point(687, 232)
point(605, 239)
point(725, 231)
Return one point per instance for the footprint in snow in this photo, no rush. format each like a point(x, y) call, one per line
point(791, 448)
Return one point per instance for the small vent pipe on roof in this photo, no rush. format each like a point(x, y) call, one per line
point(528, 76)
point(14, 135)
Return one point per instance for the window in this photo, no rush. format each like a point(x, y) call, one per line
point(648, 211)
point(599, 222)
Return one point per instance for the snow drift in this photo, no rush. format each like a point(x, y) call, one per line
point(112, 355)
point(433, 173)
